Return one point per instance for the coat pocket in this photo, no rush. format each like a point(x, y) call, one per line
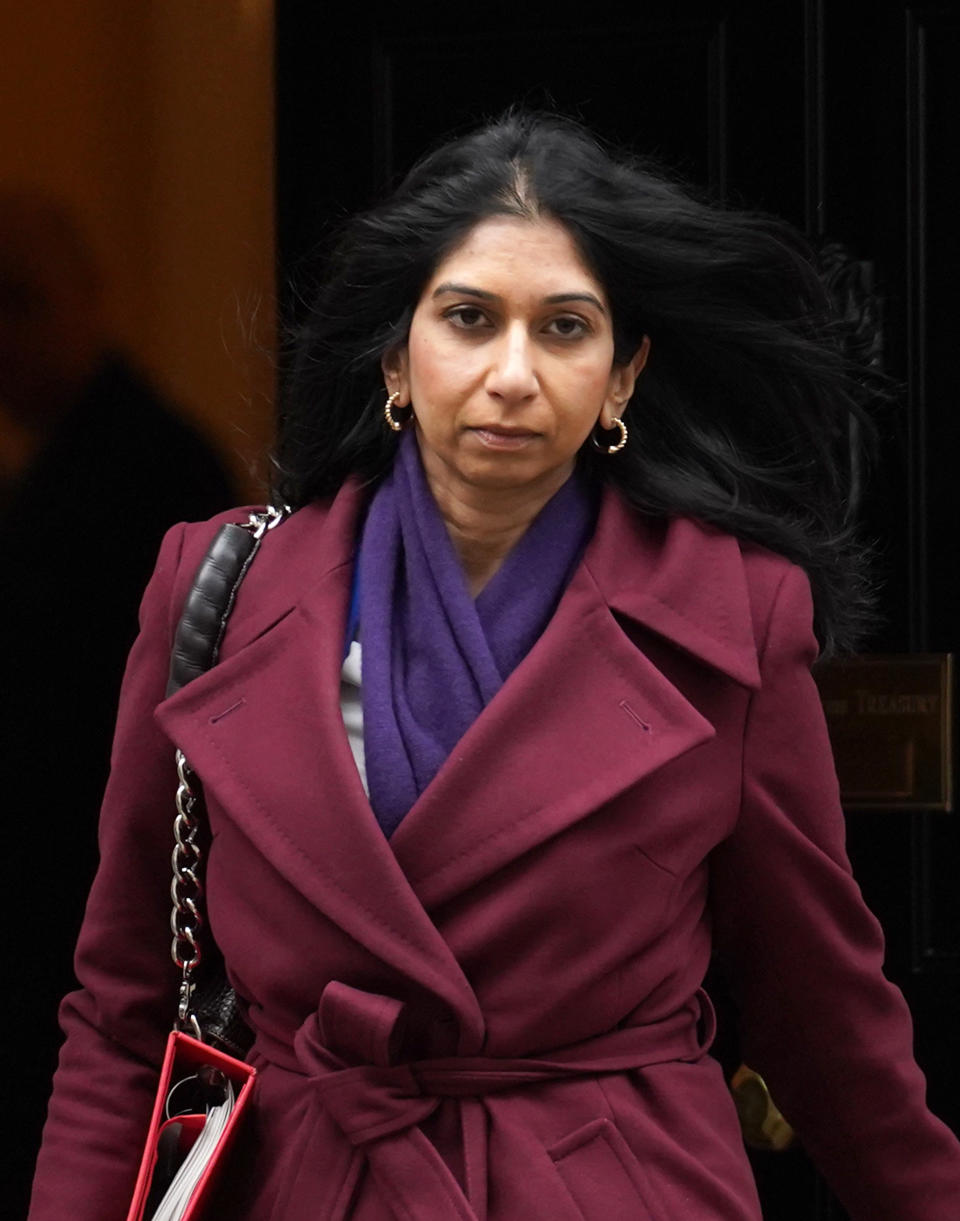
point(602, 1175)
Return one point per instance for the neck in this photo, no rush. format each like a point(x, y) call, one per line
point(485, 524)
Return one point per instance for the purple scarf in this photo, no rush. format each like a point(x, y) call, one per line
point(433, 658)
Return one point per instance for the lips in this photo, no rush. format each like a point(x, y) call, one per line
point(496, 436)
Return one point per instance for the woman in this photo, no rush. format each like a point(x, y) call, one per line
point(565, 567)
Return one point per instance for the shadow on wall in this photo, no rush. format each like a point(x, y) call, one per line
point(94, 467)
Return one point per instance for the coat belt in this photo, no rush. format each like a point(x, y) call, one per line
point(347, 1049)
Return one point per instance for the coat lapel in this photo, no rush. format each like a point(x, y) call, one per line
point(586, 715)
point(264, 732)
point(683, 580)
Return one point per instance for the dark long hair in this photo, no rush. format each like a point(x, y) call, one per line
point(744, 415)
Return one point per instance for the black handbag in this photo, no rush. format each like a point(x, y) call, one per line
point(209, 1008)
point(203, 1066)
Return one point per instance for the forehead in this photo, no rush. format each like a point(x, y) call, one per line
point(510, 253)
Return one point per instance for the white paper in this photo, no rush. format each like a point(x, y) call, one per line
point(177, 1196)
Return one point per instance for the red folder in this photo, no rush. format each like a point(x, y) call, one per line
point(184, 1056)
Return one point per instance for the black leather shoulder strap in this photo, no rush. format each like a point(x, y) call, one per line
point(199, 633)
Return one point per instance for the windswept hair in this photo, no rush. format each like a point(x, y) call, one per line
point(745, 413)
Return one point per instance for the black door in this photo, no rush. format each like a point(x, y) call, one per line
point(840, 117)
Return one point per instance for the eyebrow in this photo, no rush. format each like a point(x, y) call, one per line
point(554, 298)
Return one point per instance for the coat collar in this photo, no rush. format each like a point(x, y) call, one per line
point(680, 578)
point(585, 716)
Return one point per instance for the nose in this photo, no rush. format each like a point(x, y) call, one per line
point(512, 375)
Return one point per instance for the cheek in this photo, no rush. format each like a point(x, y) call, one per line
point(432, 373)
point(585, 390)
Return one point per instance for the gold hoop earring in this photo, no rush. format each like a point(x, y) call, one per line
point(612, 449)
point(392, 422)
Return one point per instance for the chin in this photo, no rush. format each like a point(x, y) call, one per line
point(505, 474)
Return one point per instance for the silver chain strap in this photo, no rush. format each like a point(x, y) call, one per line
point(186, 893)
point(186, 887)
point(266, 519)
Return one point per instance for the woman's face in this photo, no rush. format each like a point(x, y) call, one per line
point(509, 360)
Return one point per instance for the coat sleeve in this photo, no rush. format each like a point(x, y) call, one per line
point(831, 1036)
point(116, 1024)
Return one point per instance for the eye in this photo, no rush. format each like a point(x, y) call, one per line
point(567, 326)
point(467, 317)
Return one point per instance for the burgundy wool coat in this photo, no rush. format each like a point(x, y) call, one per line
point(497, 1014)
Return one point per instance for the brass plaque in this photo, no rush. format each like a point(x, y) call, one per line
point(891, 726)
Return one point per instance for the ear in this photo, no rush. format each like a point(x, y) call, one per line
point(395, 365)
point(623, 379)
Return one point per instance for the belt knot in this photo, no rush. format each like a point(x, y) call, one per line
point(347, 1049)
